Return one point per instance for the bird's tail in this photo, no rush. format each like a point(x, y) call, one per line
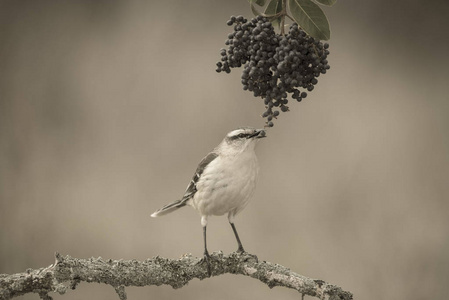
point(169, 208)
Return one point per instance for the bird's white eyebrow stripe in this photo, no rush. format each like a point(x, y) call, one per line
point(236, 136)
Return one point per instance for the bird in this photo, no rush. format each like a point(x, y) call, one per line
point(223, 182)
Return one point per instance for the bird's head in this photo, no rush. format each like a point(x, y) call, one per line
point(241, 139)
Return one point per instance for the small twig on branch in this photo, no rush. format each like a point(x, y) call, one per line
point(68, 272)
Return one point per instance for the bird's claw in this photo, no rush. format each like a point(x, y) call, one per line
point(242, 251)
point(206, 259)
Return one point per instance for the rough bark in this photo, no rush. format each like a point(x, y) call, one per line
point(67, 272)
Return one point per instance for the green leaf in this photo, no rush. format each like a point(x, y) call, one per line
point(311, 18)
point(254, 10)
point(274, 7)
point(258, 2)
point(326, 2)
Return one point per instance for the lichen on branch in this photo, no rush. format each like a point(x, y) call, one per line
point(68, 272)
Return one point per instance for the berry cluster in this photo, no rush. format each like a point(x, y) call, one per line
point(273, 65)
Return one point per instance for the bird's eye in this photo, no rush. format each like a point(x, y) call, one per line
point(241, 135)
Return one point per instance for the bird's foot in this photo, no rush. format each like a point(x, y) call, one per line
point(242, 252)
point(206, 259)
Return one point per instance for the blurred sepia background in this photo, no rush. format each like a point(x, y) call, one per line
point(106, 107)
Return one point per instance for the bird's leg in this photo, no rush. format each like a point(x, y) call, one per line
point(206, 253)
point(231, 221)
point(239, 243)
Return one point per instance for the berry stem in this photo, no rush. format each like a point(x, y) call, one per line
point(283, 14)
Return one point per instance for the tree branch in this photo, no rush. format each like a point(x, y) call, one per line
point(67, 272)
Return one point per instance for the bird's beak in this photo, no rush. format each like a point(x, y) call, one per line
point(260, 133)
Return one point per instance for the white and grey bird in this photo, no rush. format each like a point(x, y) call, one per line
point(223, 182)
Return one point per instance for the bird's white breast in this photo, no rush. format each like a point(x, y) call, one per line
point(226, 184)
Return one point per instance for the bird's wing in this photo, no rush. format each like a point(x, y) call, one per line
point(191, 188)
